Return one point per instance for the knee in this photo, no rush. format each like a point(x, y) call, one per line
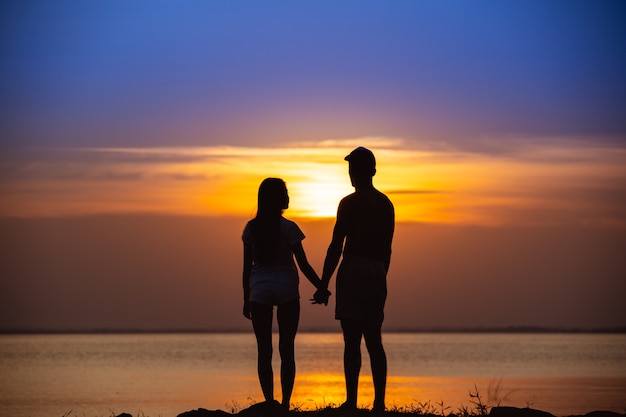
point(286, 344)
point(286, 350)
point(265, 350)
point(376, 352)
point(375, 346)
point(352, 350)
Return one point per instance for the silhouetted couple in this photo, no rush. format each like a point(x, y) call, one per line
point(363, 234)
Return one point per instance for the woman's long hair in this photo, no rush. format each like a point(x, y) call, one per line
point(272, 200)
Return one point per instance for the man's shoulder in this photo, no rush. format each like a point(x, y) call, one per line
point(348, 199)
point(382, 198)
point(357, 201)
point(385, 197)
point(380, 193)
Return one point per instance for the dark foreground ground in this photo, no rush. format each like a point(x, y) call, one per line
point(274, 410)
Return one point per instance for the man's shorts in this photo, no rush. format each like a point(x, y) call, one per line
point(361, 289)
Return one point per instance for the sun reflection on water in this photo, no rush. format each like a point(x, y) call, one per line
point(319, 390)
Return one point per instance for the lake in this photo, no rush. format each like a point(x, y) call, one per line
point(164, 375)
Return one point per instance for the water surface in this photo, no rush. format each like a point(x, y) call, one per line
point(167, 374)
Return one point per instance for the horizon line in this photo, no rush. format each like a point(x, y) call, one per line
point(395, 329)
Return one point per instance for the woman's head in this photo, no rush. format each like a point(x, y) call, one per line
point(273, 197)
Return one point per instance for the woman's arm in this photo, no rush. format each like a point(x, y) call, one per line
point(305, 266)
point(247, 269)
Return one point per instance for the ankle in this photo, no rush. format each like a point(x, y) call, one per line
point(348, 405)
point(379, 406)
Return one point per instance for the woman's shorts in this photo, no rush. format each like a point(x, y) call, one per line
point(265, 293)
point(274, 286)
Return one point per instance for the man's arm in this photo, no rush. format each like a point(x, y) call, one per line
point(391, 232)
point(335, 248)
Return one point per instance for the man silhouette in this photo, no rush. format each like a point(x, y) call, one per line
point(363, 233)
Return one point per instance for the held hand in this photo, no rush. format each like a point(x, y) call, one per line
point(246, 310)
point(321, 297)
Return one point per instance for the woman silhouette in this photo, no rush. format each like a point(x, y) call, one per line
point(270, 278)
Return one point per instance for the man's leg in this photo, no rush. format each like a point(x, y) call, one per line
point(352, 333)
point(378, 361)
point(262, 324)
point(288, 316)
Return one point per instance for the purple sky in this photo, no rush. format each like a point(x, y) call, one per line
point(164, 73)
point(528, 95)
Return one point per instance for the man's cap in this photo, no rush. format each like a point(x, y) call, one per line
point(362, 157)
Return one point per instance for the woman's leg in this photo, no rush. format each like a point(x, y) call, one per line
point(262, 324)
point(288, 317)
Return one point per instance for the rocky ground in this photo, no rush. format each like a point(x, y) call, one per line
point(267, 409)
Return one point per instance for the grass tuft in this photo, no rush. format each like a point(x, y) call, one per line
point(478, 407)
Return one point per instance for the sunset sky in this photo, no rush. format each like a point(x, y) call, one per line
point(134, 135)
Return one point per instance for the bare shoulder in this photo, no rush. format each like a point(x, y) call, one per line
point(382, 198)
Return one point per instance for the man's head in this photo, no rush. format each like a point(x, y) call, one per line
point(362, 164)
point(363, 160)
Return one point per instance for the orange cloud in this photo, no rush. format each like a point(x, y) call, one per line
point(528, 182)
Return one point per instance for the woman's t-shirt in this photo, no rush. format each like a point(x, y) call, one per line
point(277, 283)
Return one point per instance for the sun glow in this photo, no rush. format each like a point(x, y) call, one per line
point(319, 197)
point(440, 185)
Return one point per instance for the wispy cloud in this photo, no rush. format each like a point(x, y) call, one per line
point(518, 184)
point(413, 192)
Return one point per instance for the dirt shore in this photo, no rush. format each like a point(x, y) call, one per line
point(274, 410)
